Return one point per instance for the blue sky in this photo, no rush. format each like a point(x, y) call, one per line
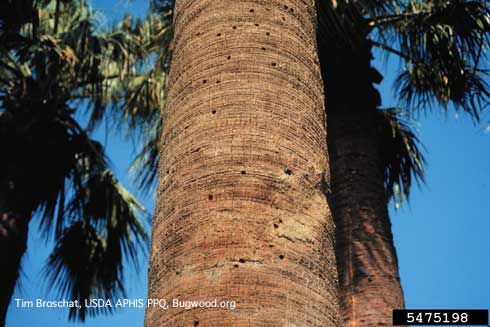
point(441, 235)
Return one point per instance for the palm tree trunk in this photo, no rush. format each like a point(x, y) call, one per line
point(13, 244)
point(241, 209)
point(366, 258)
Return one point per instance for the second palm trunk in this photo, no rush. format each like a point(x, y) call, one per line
point(241, 207)
point(366, 258)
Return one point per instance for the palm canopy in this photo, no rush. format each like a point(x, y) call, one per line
point(55, 64)
point(442, 47)
point(160, 45)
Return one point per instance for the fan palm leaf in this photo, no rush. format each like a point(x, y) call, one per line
point(57, 63)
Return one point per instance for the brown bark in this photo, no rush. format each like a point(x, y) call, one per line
point(367, 261)
point(241, 209)
point(366, 258)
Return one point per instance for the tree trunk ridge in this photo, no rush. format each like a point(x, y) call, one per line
point(241, 213)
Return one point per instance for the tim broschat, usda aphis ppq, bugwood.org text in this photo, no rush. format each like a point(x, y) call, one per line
point(190, 304)
point(126, 303)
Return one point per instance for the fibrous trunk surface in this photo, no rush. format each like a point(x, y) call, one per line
point(241, 209)
point(366, 257)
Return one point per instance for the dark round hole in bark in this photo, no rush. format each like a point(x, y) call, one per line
point(229, 57)
point(251, 10)
point(204, 81)
point(257, 25)
point(241, 260)
point(213, 112)
point(217, 82)
point(243, 172)
point(196, 323)
point(234, 27)
point(210, 197)
point(285, 7)
point(271, 246)
point(177, 273)
point(267, 33)
point(283, 18)
point(288, 171)
point(263, 49)
point(273, 64)
point(281, 256)
point(236, 265)
point(219, 34)
point(292, 10)
point(276, 226)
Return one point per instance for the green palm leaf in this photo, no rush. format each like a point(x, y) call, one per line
point(55, 62)
point(401, 154)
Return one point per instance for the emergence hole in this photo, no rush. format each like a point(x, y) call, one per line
point(210, 197)
point(251, 10)
point(219, 34)
point(243, 172)
point(234, 27)
point(267, 33)
point(285, 7)
point(217, 82)
point(204, 81)
point(196, 323)
point(276, 226)
point(213, 112)
point(281, 256)
point(288, 171)
point(229, 57)
point(257, 25)
point(241, 260)
point(263, 49)
point(273, 64)
point(236, 265)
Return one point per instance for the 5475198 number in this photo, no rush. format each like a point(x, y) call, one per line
point(440, 317)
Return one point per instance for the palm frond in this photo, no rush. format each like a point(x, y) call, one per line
point(49, 65)
point(162, 7)
point(348, 22)
point(425, 85)
point(78, 269)
point(87, 262)
point(145, 164)
point(443, 45)
point(401, 154)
